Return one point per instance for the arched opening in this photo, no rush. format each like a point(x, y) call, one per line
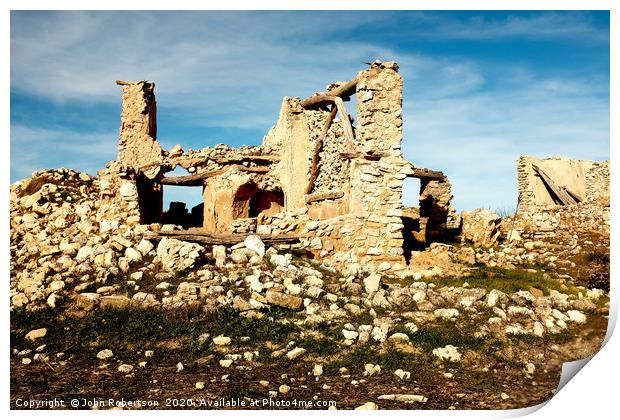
point(266, 203)
point(241, 202)
point(251, 202)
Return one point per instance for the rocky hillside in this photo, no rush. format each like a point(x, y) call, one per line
point(94, 301)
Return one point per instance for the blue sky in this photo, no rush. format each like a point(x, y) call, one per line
point(480, 88)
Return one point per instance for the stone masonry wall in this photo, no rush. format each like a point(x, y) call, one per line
point(597, 184)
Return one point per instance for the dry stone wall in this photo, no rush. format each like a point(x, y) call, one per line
point(597, 184)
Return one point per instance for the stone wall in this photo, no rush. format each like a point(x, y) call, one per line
point(597, 184)
point(118, 197)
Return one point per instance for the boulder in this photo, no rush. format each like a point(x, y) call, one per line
point(481, 227)
point(278, 298)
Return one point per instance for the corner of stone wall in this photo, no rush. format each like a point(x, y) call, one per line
point(597, 180)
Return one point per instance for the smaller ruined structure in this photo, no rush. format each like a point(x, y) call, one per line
point(331, 181)
point(551, 182)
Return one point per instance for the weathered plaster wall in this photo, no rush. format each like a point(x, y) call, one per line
point(290, 137)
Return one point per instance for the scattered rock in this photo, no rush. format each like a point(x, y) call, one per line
point(576, 316)
point(124, 368)
point(105, 354)
point(277, 298)
point(221, 340)
point(295, 353)
point(255, 244)
point(368, 406)
point(448, 353)
point(372, 283)
point(36, 334)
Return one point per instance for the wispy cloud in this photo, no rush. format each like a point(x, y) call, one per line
point(549, 26)
point(35, 148)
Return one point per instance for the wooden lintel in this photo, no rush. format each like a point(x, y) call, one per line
point(195, 235)
point(367, 156)
point(198, 179)
point(344, 90)
point(329, 195)
point(251, 158)
point(427, 173)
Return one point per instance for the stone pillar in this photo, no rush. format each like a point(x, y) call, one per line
point(376, 185)
point(137, 146)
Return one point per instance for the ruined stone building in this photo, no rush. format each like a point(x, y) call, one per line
point(321, 177)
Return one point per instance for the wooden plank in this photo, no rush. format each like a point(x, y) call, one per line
point(198, 179)
point(427, 173)
point(345, 89)
point(195, 235)
point(251, 158)
point(573, 194)
point(367, 156)
point(329, 195)
point(222, 161)
point(346, 122)
point(317, 150)
point(562, 196)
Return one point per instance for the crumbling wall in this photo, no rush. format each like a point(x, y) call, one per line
point(540, 216)
point(377, 185)
point(438, 218)
point(225, 200)
point(118, 197)
point(333, 169)
point(137, 146)
point(335, 184)
point(369, 233)
point(290, 137)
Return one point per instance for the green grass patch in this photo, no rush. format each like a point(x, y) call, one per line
point(130, 331)
point(440, 335)
point(319, 346)
point(505, 280)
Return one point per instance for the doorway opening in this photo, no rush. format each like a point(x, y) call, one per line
point(413, 237)
point(250, 201)
point(184, 205)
